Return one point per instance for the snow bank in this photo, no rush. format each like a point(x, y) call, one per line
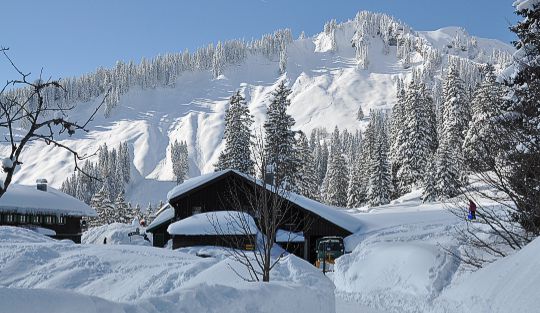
point(213, 223)
point(396, 263)
point(511, 284)
point(10, 234)
point(57, 301)
point(116, 234)
point(146, 279)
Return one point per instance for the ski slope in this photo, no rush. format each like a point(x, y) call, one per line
point(327, 86)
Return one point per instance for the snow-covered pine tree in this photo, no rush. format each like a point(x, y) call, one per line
point(218, 60)
point(355, 190)
point(283, 61)
point(279, 137)
point(379, 187)
point(520, 120)
point(122, 214)
point(237, 137)
point(449, 164)
point(306, 178)
point(396, 132)
point(321, 161)
point(179, 159)
point(430, 190)
point(487, 103)
point(104, 208)
point(416, 135)
point(360, 113)
point(336, 174)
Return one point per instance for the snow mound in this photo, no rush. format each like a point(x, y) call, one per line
point(116, 234)
point(10, 234)
point(510, 284)
point(147, 279)
point(58, 301)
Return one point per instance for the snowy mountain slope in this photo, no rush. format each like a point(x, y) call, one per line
point(327, 85)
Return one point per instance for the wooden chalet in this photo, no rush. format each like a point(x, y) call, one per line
point(207, 193)
point(44, 210)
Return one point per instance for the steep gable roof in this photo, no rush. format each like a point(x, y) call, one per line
point(332, 214)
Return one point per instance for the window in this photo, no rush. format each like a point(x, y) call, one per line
point(48, 219)
point(196, 210)
point(23, 219)
point(61, 220)
point(9, 218)
point(36, 219)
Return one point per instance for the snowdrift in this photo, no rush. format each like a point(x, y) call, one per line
point(116, 234)
point(149, 279)
point(511, 284)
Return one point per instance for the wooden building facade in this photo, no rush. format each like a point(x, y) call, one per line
point(46, 210)
point(212, 192)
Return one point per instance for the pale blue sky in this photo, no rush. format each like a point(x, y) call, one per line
point(70, 37)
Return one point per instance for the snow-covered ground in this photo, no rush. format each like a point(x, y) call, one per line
point(396, 264)
point(60, 275)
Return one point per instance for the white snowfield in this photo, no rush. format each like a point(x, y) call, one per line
point(27, 199)
point(59, 276)
point(327, 86)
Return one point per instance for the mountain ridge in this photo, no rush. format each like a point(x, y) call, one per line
point(329, 79)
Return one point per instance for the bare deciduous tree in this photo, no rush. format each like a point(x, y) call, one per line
point(266, 200)
point(28, 115)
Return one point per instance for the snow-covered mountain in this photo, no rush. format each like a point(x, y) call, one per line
point(333, 73)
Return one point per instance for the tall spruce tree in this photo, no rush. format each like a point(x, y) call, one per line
point(520, 120)
point(306, 178)
point(237, 137)
point(379, 175)
point(279, 138)
point(355, 189)
point(430, 191)
point(450, 171)
point(336, 174)
point(416, 133)
point(179, 159)
point(487, 102)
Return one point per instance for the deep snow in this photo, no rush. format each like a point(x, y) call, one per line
point(396, 265)
point(145, 279)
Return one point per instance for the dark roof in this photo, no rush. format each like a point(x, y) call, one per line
point(334, 215)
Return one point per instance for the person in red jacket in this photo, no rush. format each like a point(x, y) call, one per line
point(472, 210)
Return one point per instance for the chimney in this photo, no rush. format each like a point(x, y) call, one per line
point(41, 184)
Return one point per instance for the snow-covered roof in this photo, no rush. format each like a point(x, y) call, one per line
point(194, 183)
point(163, 208)
point(27, 199)
point(163, 217)
point(215, 223)
point(332, 214)
point(289, 236)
